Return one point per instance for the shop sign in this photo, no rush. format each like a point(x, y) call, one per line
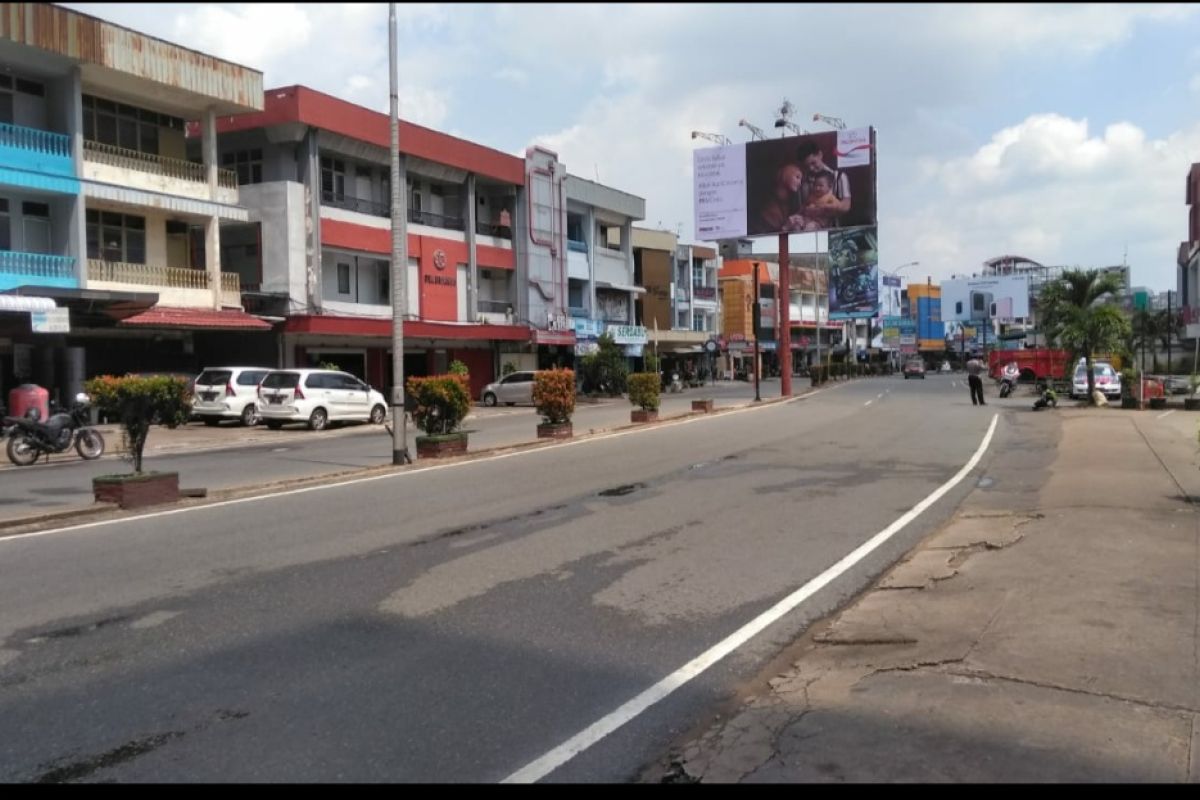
point(627, 334)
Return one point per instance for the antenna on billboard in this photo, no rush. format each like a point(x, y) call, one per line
point(715, 138)
point(757, 134)
point(784, 119)
point(833, 122)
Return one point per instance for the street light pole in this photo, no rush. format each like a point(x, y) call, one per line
point(399, 262)
point(755, 316)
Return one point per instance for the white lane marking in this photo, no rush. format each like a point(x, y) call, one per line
point(881, 394)
point(868, 402)
point(404, 473)
point(1166, 414)
point(953, 384)
point(581, 741)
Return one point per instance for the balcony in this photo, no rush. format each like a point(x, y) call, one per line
point(497, 312)
point(184, 287)
point(357, 204)
point(488, 229)
point(577, 246)
point(704, 294)
point(122, 167)
point(36, 269)
point(36, 159)
point(435, 220)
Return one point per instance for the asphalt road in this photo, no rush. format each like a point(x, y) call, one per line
point(296, 452)
point(456, 622)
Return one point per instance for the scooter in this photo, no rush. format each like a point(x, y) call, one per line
point(29, 438)
point(1008, 378)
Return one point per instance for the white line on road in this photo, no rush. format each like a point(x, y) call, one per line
point(1167, 414)
point(881, 394)
point(581, 741)
point(868, 402)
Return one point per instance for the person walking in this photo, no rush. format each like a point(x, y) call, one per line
point(975, 381)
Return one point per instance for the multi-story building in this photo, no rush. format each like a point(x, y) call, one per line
point(101, 212)
point(680, 309)
point(315, 173)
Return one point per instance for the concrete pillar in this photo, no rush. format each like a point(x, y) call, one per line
point(212, 259)
point(627, 253)
point(589, 220)
point(77, 219)
point(74, 371)
point(472, 261)
point(208, 146)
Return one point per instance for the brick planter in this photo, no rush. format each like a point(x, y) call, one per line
point(703, 405)
point(643, 416)
point(137, 490)
point(1191, 403)
point(445, 446)
point(554, 430)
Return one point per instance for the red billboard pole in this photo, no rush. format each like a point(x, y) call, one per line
point(783, 337)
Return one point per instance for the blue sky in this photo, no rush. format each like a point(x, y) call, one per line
point(1061, 133)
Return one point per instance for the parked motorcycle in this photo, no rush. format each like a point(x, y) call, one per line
point(1009, 374)
point(28, 439)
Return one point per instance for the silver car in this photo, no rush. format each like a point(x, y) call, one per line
point(516, 387)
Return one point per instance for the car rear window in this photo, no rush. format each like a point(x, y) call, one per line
point(281, 380)
point(1099, 370)
point(214, 377)
point(251, 377)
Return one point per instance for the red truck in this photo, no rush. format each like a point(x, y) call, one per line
point(1036, 364)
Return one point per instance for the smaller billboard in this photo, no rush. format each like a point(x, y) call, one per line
point(1002, 298)
point(853, 273)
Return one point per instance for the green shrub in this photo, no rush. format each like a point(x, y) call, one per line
point(554, 394)
point(605, 370)
point(652, 363)
point(508, 369)
point(441, 403)
point(139, 402)
point(459, 368)
point(644, 390)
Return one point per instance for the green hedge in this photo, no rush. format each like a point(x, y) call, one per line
point(644, 390)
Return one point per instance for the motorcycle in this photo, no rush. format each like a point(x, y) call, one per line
point(28, 438)
point(1008, 378)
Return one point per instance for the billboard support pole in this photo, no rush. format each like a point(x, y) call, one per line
point(755, 318)
point(817, 296)
point(784, 335)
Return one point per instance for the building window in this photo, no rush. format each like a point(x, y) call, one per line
point(5, 226)
point(575, 228)
point(681, 320)
point(125, 126)
point(246, 163)
point(699, 323)
point(343, 275)
point(116, 237)
point(36, 225)
point(333, 178)
point(384, 270)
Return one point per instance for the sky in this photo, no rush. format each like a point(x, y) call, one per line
point(1062, 133)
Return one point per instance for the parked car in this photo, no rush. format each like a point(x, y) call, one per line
point(914, 368)
point(228, 393)
point(1107, 380)
point(516, 387)
point(318, 397)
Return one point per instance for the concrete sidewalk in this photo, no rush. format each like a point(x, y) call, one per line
point(1048, 632)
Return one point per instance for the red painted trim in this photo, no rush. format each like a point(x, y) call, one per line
point(302, 104)
point(494, 257)
point(336, 233)
point(353, 326)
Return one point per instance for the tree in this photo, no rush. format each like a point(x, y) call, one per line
point(605, 370)
point(139, 402)
point(1077, 318)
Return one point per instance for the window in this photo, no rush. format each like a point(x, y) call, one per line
point(575, 228)
point(343, 278)
point(249, 378)
point(116, 237)
point(333, 178)
point(36, 224)
point(5, 226)
point(699, 323)
point(384, 282)
point(247, 164)
point(125, 126)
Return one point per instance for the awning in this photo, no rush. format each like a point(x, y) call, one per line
point(620, 287)
point(165, 202)
point(15, 302)
point(227, 319)
point(553, 337)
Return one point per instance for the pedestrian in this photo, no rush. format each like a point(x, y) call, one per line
point(974, 371)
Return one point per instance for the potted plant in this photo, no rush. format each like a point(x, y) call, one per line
point(440, 404)
point(1129, 389)
point(1192, 402)
point(137, 403)
point(644, 393)
point(554, 396)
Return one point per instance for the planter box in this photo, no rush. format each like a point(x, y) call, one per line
point(445, 446)
point(643, 416)
point(705, 405)
point(1129, 402)
point(554, 430)
point(136, 491)
point(1191, 403)
point(1158, 402)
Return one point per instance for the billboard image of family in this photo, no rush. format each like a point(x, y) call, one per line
point(1002, 298)
point(814, 182)
point(853, 273)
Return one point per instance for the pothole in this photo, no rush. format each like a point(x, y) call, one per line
point(621, 491)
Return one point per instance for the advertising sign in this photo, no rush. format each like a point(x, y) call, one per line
point(627, 334)
point(853, 273)
point(813, 182)
point(1003, 298)
point(57, 320)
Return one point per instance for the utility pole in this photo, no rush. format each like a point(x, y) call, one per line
point(755, 316)
point(399, 262)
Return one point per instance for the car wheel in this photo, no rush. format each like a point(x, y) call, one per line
point(489, 399)
point(250, 416)
point(318, 420)
point(212, 422)
point(274, 424)
point(378, 414)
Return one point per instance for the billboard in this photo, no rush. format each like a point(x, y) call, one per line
point(853, 273)
point(814, 182)
point(1003, 298)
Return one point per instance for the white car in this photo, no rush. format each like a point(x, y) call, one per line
point(1107, 380)
point(516, 387)
point(228, 393)
point(318, 397)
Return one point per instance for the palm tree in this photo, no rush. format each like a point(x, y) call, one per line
point(1076, 318)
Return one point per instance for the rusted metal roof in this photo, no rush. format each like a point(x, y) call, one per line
point(94, 41)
